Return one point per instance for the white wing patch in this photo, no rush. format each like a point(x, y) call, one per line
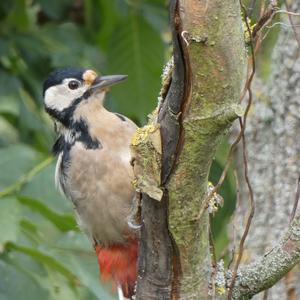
point(57, 173)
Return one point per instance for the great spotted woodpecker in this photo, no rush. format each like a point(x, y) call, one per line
point(93, 167)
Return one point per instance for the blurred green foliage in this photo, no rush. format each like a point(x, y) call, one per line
point(43, 255)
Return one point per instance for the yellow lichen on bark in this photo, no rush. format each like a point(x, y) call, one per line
point(146, 154)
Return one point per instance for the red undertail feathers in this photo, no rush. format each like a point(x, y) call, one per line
point(119, 264)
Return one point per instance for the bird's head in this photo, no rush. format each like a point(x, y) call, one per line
point(67, 88)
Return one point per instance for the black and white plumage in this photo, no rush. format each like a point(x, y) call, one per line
point(93, 148)
point(93, 168)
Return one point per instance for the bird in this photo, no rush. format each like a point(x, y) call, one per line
point(93, 168)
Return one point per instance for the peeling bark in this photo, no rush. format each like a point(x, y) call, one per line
point(159, 265)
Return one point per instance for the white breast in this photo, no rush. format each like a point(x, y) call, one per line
point(99, 184)
point(99, 181)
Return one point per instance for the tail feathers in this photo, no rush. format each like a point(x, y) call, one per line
point(121, 295)
point(119, 264)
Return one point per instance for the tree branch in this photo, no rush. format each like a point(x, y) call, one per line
point(274, 265)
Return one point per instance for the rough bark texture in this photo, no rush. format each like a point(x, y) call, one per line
point(265, 272)
point(159, 265)
point(274, 154)
point(155, 263)
point(211, 43)
point(217, 69)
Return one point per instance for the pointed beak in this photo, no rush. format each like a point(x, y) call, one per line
point(106, 81)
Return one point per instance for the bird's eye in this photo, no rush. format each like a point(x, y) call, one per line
point(73, 85)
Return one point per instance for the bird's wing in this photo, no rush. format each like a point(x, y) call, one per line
point(127, 120)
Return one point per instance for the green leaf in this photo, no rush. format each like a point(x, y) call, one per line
point(43, 188)
point(109, 16)
point(18, 285)
point(9, 86)
point(42, 256)
point(55, 9)
point(75, 251)
point(65, 39)
point(45, 259)
point(64, 222)
point(5, 8)
point(20, 182)
point(136, 49)
point(46, 279)
point(87, 271)
point(14, 162)
point(18, 16)
point(156, 14)
point(10, 214)
point(8, 133)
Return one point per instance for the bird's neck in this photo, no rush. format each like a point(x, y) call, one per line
point(80, 108)
point(79, 129)
point(89, 108)
point(87, 117)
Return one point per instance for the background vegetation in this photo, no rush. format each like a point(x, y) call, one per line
point(43, 255)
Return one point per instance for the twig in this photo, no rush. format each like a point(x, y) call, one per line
point(291, 21)
point(296, 202)
point(285, 25)
point(287, 11)
point(221, 179)
point(17, 185)
point(214, 259)
point(251, 8)
point(264, 21)
point(237, 184)
point(243, 127)
point(266, 17)
point(212, 244)
point(249, 219)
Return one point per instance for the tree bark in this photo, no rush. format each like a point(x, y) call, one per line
point(197, 109)
point(273, 151)
point(270, 268)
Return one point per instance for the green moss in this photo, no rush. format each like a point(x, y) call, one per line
point(217, 79)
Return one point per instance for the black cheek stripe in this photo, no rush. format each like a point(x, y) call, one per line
point(85, 137)
point(61, 145)
point(66, 115)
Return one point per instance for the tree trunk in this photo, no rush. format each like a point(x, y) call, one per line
point(197, 110)
point(273, 135)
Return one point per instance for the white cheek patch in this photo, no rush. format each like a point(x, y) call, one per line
point(60, 96)
point(57, 98)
